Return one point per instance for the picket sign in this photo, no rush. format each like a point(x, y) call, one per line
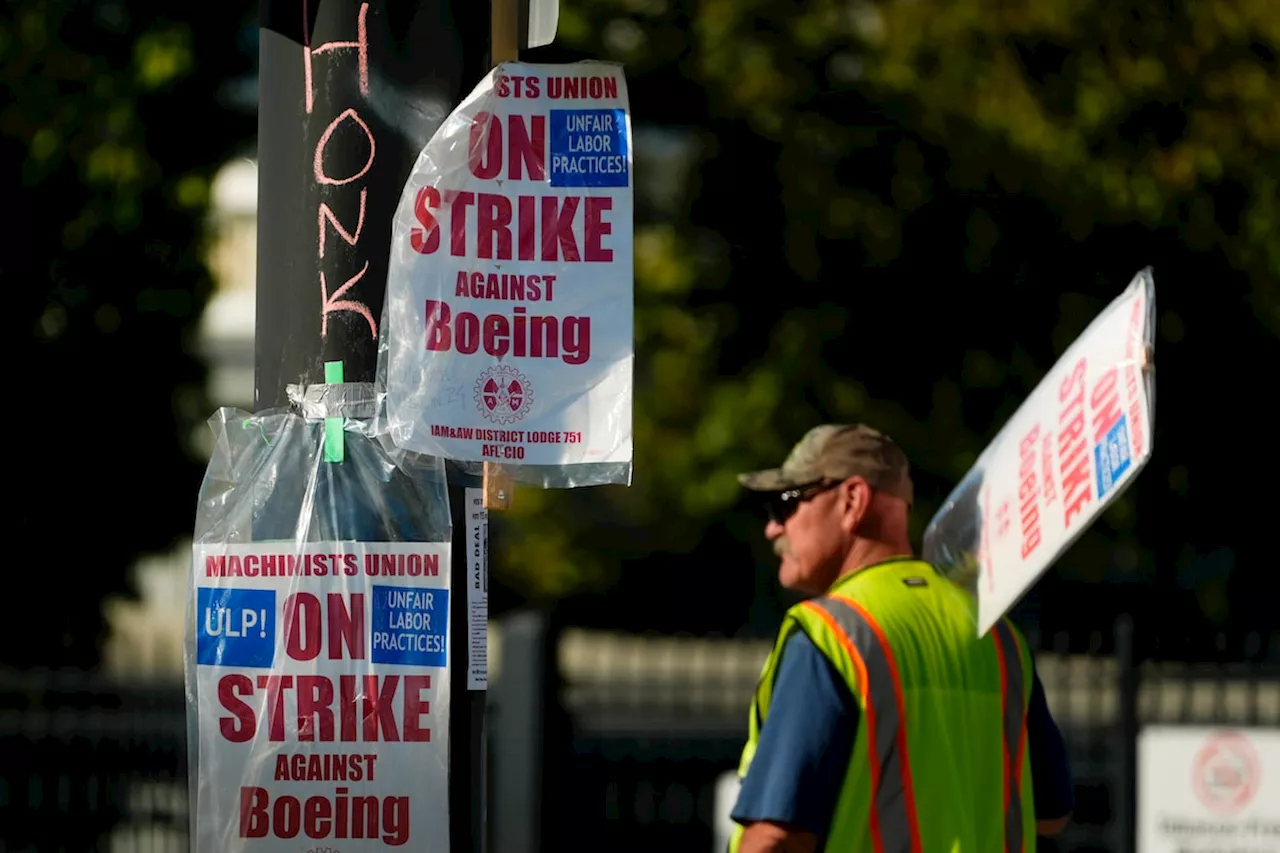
point(1069, 451)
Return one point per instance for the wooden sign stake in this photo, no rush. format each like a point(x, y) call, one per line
point(504, 31)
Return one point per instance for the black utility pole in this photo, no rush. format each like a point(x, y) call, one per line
point(1129, 682)
point(349, 93)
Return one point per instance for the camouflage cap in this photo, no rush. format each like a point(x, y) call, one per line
point(837, 452)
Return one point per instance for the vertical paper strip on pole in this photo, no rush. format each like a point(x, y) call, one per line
point(323, 685)
point(477, 590)
point(1068, 452)
point(508, 324)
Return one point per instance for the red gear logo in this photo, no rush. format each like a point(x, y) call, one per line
point(503, 394)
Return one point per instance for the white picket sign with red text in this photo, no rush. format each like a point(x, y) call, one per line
point(322, 683)
point(1068, 452)
point(508, 321)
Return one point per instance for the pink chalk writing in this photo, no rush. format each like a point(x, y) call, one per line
point(321, 176)
point(361, 44)
point(333, 303)
point(340, 300)
point(327, 213)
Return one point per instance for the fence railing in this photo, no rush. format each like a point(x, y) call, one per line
point(659, 721)
point(89, 763)
point(597, 741)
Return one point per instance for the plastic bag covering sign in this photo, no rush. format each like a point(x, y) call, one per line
point(1072, 447)
point(508, 331)
point(323, 689)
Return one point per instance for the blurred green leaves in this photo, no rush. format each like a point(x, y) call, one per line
point(161, 56)
point(865, 172)
point(1115, 110)
point(109, 129)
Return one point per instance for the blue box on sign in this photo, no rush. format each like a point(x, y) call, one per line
point(235, 627)
point(410, 625)
point(1111, 456)
point(589, 148)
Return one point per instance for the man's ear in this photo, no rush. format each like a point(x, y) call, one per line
point(855, 502)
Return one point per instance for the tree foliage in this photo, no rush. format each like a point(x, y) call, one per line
point(899, 212)
point(110, 128)
point(902, 213)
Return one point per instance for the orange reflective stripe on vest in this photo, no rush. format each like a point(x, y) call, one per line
point(893, 806)
point(1015, 729)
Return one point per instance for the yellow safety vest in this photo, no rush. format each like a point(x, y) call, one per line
point(939, 763)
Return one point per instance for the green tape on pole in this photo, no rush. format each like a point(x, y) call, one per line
point(335, 448)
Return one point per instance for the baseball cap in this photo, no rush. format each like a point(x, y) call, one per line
point(836, 452)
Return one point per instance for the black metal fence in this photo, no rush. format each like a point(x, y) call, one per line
point(596, 741)
point(91, 764)
point(659, 722)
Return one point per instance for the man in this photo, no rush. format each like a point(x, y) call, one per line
point(882, 722)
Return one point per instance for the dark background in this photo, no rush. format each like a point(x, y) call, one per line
point(894, 213)
point(809, 247)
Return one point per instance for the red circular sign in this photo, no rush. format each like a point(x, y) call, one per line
point(1226, 773)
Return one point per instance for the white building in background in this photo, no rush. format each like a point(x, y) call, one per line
point(146, 634)
point(226, 329)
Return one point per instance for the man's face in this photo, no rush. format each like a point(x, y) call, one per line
point(808, 536)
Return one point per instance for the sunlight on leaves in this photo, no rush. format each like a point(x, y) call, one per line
point(161, 57)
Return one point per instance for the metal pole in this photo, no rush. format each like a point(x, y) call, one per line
point(1128, 682)
point(349, 93)
point(519, 733)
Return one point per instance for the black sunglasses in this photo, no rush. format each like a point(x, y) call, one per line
point(780, 506)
